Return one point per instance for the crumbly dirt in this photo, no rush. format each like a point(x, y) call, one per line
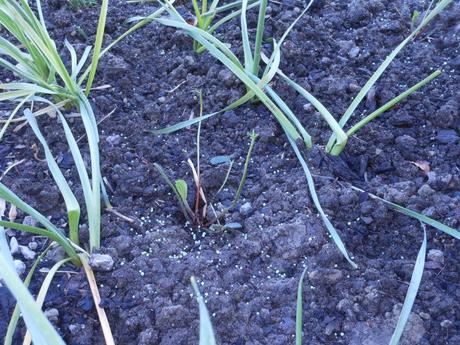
point(249, 276)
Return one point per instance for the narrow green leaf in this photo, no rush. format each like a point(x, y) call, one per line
point(228, 17)
point(94, 207)
point(27, 87)
point(299, 309)
point(44, 232)
point(230, 166)
point(333, 124)
point(259, 36)
point(248, 60)
point(13, 113)
point(224, 8)
point(73, 55)
point(11, 95)
point(311, 186)
point(411, 292)
point(185, 208)
point(253, 135)
point(181, 187)
point(73, 208)
point(197, 11)
point(422, 218)
point(391, 103)
point(206, 331)
point(97, 46)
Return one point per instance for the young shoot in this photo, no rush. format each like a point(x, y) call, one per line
point(197, 212)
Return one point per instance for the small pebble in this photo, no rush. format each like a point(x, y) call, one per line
point(28, 220)
point(436, 255)
point(101, 262)
point(114, 140)
point(354, 52)
point(52, 314)
point(425, 316)
point(307, 107)
point(20, 267)
point(446, 324)
point(27, 253)
point(325, 276)
point(246, 208)
point(447, 136)
point(425, 190)
point(14, 245)
point(226, 77)
point(33, 245)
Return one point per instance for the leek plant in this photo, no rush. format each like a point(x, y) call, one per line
point(205, 16)
point(41, 77)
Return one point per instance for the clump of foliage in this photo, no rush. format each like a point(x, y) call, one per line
point(41, 77)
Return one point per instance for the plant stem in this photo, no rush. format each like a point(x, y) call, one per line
point(254, 136)
point(198, 173)
point(259, 36)
point(97, 45)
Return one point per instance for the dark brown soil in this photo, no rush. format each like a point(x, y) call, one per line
point(249, 276)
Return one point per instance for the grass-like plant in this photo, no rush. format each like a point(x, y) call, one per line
point(42, 78)
point(205, 16)
point(197, 213)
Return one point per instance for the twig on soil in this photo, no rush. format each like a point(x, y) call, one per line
point(118, 214)
point(97, 300)
point(11, 166)
point(177, 86)
point(35, 150)
point(101, 87)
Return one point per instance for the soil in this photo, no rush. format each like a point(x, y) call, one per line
point(249, 276)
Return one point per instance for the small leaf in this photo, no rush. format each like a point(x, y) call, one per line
point(422, 165)
point(415, 16)
point(217, 160)
point(181, 187)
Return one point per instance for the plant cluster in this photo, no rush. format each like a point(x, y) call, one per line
point(41, 77)
point(201, 212)
point(44, 85)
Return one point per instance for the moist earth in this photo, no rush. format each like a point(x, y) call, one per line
point(249, 276)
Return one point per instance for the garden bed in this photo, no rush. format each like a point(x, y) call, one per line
point(249, 276)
